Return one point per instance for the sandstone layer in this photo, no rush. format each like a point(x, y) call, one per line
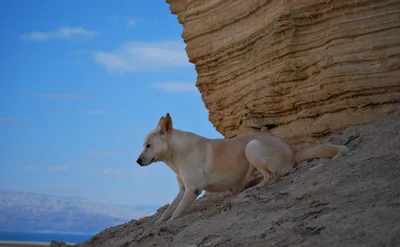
point(302, 69)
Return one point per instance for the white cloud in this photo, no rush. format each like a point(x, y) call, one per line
point(123, 172)
point(101, 153)
point(97, 112)
point(136, 56)
point(113, 19)
point(4, 119)
point(117, 172)
point(7, 120)
point(175, 87)
point(61, 96)
point(81, 52)
point(110, 152)
point(58, 168)
point(61, 33)
point(131, 22)
point(15, 58)
point(30, 168)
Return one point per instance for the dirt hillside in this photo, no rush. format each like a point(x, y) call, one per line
point(351, 201)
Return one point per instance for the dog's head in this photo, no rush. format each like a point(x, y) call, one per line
point(155, 144)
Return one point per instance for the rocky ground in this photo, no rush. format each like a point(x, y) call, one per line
point(351, 201)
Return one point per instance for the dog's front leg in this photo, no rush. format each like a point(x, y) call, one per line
point(189, 197)
point(171, 208)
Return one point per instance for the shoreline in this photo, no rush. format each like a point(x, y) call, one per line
point(23, 244)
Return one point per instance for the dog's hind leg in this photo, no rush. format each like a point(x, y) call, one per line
point(268, 175)
point(270, 163)
point(171, 208)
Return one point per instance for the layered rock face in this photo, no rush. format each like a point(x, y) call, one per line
point(302, 69)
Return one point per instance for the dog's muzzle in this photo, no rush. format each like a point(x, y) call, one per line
point(140, 161)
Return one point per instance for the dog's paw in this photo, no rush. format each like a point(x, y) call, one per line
point(262, 185)
point(343, 150)
point(169, 221)
point(159, 221)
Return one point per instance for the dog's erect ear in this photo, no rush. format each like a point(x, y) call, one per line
point(168, 123)
point(161, 124)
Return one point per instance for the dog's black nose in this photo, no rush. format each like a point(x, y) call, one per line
point(139, 161)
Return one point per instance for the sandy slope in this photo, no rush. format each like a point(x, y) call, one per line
point(351, 201)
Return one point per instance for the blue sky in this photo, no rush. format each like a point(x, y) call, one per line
point(81, 84)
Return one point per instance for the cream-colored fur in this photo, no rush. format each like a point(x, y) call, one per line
point(218, 165)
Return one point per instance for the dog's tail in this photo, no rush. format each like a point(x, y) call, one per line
point(320, 151)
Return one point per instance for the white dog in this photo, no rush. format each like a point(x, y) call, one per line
point(217, 165)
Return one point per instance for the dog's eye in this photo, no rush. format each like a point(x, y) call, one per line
point(148, 145)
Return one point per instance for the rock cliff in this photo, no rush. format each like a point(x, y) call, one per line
point(302, 69)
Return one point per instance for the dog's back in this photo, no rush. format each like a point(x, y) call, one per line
point(225, 163)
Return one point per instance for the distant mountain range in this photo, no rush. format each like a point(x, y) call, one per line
point(31, 212)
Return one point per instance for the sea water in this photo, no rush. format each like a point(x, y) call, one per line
point(44, 237)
